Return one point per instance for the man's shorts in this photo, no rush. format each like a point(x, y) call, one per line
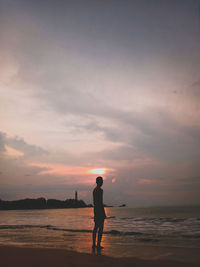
point(99, 222)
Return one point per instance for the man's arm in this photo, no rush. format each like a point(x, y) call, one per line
point(103, 206)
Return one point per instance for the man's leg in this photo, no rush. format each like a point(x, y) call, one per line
point(100, 232)
point(94, 234)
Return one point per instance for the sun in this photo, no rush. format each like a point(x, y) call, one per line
point(97, 171)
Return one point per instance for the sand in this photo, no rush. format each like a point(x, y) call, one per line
point(45, 257)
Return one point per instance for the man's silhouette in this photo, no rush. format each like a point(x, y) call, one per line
point(99, 213)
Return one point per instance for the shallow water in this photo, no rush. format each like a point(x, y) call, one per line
point(124, 228)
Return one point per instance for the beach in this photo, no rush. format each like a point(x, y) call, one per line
point(40, 257)
point(132, 237)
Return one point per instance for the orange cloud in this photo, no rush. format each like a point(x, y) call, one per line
point(59, 169)
point(63, 170)
point(13, 153)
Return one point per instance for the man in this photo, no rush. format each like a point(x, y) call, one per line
point(99, 213)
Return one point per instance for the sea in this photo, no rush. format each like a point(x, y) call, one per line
point(125, 229)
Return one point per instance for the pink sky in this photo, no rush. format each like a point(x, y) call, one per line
point(78, 95)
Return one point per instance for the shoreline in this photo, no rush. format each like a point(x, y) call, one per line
point(40, 257)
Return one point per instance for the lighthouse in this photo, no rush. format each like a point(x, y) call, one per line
point(76, 196)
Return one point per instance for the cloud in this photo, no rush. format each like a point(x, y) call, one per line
point(76, 97)
point(196, 85)
point(20, 145)
point(2, 142)
point(58, 169)
point(145, 181)
point(11, 152)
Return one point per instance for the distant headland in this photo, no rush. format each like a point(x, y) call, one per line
point(42, 203)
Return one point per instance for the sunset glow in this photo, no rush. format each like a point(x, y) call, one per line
point(97, 171)
point(58, 169)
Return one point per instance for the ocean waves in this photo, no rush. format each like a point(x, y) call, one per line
point(161, 219)
point(141, 235)
point(50, 227)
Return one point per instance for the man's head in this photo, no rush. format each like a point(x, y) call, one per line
point(99, 181)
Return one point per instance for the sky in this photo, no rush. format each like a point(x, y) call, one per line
point(106, 85)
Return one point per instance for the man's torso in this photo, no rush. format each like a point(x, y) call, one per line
point(99, 213)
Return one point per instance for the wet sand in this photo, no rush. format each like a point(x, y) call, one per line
point(45, 257)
